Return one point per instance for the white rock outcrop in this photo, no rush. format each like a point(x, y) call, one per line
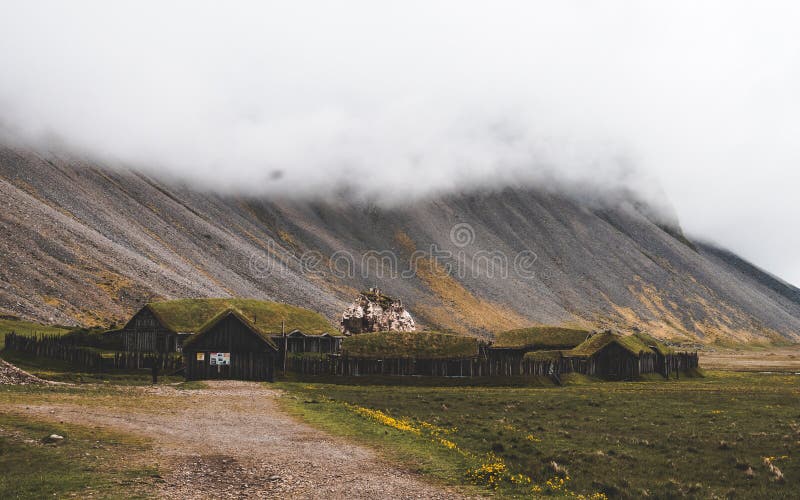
point(373, 311)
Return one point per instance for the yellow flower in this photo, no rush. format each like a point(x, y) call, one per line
point(379, 416)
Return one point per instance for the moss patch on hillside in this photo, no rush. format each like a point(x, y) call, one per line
point(456, 308)
point(189, 315)
point(421, 345)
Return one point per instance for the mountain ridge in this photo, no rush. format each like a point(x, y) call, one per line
point(86, 244)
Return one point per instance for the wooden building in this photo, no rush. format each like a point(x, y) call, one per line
point(612, 356)
point(509, 348)
point(230, 347)
point(165, 326)
point(148, 331)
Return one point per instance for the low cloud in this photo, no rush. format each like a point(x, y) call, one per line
point(416, 98)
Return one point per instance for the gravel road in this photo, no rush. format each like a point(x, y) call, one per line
point(233, 441)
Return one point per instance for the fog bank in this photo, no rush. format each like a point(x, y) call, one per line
point(398, 100)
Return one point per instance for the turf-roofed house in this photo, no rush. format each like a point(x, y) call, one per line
point(230, 346)
point(164, 326)
point(512, 345)
point(547, 350)
point(228, 338)
point(609, 355)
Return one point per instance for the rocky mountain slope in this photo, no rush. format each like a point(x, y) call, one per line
point(83, 244)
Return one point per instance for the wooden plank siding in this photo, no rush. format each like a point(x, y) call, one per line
point(145, 333)
point(297, 342)
point(617, 363)
point(610, 364)
point(252, 357)
point(244, 366)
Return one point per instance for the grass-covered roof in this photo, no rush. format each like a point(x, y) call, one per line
point(190, 315)
point(543, 355)
point(421, 345)
point(598, 341)
point(540, 337)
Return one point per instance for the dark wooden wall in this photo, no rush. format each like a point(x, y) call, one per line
point(615, 362)
point(145, 333)
point(251, 358)
point(89, 358)
point(244, 366)
point(612, 365)
point(308, 343)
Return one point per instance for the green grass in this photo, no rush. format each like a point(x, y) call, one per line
point(692, 437)
point(421, 345)
point(310, 404)
point(189, 315)
point(540, 337)
point(61, 371)
point(30, 329)
point(89, 462)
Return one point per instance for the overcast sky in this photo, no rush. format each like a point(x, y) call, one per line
point(412, 97)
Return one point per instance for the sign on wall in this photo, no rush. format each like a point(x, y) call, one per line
point(220, 358)
point(201, 356)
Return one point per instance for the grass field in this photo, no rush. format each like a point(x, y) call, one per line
point(87, 463)
point(701, 437)
point(706, 437)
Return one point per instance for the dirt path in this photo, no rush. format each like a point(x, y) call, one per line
point(232, 441)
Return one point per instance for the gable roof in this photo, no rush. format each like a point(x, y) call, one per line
point(263, 336)
point(598, 341)
point(326, 334)
point(190, 315)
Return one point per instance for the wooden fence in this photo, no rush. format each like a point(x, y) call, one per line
point(465, 367)
point(485, 365)
point(52, 347)
point(473, 367)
